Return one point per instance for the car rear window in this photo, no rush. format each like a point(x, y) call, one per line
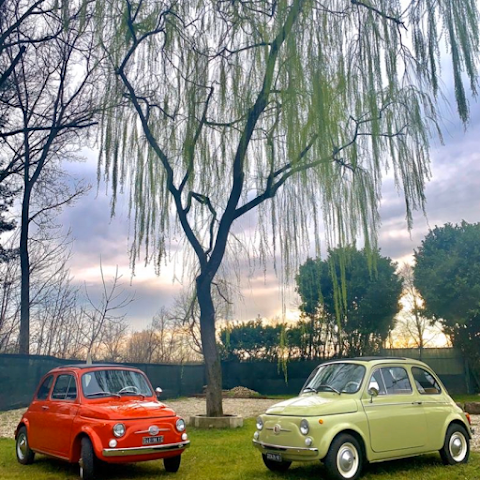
point(425, 382)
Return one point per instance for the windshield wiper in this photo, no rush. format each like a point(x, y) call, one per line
point(324, 385)
point(102, 394)
point(131, 393)
point(310, 389)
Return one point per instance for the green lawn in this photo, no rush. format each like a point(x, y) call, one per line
point(229, 455)
point(467, 398)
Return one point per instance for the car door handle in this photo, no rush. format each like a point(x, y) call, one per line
point(44, 407)
point(416, 403)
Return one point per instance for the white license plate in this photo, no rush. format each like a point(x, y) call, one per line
point(152, 440)
point(275, 457)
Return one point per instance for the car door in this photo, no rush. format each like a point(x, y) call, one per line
point(396, 419)
point(58, 420)
point(436, 404)
point(37, 412)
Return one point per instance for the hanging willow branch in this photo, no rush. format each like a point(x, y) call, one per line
point(295, 108)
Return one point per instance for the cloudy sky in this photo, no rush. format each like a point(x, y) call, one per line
point(453, 194)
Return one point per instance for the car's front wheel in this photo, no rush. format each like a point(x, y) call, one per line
point(456, 448)
point(172, 464)
point(274, 466)
point(87, 460)
point(344, 459)
point(25, 456)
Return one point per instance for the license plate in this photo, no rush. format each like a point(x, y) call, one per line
point(275, 457)
point(152, 440)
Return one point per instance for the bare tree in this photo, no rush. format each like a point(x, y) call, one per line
point(114, 339)
point(100, 315)
point(52, 102)
point(413, 327)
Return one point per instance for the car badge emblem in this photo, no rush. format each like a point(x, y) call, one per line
point(153, 430)
point(277, 429)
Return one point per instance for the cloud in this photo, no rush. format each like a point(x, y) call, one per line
point(452, 195)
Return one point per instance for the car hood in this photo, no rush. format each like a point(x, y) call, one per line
point(121, 410)
point(314, 404)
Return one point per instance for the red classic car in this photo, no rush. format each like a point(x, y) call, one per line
point(87, 413)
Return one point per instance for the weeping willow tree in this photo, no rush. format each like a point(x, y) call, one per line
point(295, 108)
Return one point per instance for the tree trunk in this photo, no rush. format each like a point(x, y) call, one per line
point(24, 337)
point(209, 346)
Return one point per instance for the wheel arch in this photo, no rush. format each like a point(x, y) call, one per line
point(23, 423)
point(357, 437)
point(77, 444)
point(461, 423)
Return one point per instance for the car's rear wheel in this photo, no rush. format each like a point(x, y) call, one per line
point(344, 460)
point(172, 464)
point(25, 456)
point(88, 460)
point(274, 466)
point(456, 448)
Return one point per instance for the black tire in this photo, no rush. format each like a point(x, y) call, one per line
point(344, 460)
point(88, 460)
point(456, 448)
point(276, 466)
point(172, 464)
point(25, 456)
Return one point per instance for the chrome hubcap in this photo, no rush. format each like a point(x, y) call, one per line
point(458, 446)
point(22, 446)
point(347, 460)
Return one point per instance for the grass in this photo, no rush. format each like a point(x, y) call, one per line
point(466, 398)
point(229, 455)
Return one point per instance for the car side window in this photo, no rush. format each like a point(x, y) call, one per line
point(65, 388)
point(44, 389)
point(376, 381)
point(396, 380)
point(425, 382)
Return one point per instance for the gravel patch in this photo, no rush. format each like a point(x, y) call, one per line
point(246, 407)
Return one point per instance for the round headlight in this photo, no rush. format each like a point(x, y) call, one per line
point(119, 430)
point(304, 427)
point(259, 423)
point(180, 425)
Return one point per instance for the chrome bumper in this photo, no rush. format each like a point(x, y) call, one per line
point(126, 452)
point(297, 451)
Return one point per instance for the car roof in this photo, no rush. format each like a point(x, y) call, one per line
point(85, 366)
point(378, 360)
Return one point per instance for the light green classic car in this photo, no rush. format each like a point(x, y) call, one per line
point(361, 410)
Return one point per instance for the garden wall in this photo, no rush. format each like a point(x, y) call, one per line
point(20, 374)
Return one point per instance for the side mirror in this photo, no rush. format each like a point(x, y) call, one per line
point(373, 392)
point(158, 391)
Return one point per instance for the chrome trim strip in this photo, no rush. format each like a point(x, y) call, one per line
point(147, 431)
point(281, 430)
point(284, 448)
point(370, 405)
point(125, 452)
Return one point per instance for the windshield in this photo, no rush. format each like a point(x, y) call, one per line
point(103, 383)
point(336, 377)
